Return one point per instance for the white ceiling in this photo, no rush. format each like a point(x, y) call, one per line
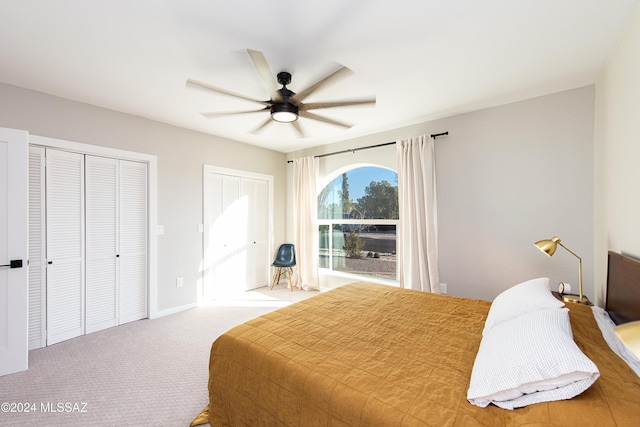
point(421, 59)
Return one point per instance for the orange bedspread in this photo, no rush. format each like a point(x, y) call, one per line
point(364, 355)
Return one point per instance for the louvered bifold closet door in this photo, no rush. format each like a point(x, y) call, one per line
point(37, 261)
point(65, 245)
point(101, 183)
point(133, 241)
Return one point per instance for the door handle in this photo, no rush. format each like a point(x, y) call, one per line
point(14, 263)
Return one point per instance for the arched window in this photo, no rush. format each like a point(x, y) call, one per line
point(358, 217)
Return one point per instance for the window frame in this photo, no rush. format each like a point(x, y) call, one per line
point(343, 221)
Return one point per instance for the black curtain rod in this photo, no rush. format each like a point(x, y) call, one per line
point(353, 150)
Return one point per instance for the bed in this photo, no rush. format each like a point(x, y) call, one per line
point(366, 354)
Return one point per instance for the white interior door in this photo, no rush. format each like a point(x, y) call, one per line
point(134, 237)
point(101, 183)
point(257, 238)
point(14, 356)
point(237, 235)
point(227, 267)
point(65, 245)
point(212, 228)
point(37, 252)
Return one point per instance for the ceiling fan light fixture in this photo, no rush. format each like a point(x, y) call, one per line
point(284, 113)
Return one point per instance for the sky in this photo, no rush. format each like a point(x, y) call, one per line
point(361, 177)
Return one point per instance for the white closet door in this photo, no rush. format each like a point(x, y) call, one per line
point(261, 217)
point(65, 245)
point(133, 241)
point(228, 263)
point(255, 192)
point(213, 227)
point(237, 212)
point(101, 183)
point(224, 269)
point(37, 253)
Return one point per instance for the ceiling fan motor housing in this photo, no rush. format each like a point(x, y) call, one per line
point(284, 78)
point(284, 111)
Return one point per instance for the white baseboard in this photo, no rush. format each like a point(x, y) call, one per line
point(172, 310)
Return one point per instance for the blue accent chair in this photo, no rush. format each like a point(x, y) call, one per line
point(284, 263)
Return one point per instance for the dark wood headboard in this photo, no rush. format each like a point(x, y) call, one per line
point(623, 288)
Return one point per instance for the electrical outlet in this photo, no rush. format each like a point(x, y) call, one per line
point(443, 288)
point(179, 282)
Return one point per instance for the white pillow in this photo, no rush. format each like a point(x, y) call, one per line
point(523, 298)
point(530, 359)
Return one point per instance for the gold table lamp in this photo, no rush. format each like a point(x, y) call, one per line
point(549, 247)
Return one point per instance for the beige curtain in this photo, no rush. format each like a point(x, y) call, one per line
point(305, 201)
point(417, 236)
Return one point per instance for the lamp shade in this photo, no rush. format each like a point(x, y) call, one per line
point(548, 246)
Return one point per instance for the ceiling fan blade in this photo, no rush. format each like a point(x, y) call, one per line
point(298, 128)
point(333, 78)
point(323, 119)
point(317, 105)
point(262, 125)
point(266, 75)
point(231, 113)
point(202, 85)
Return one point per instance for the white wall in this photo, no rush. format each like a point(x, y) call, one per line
point(507, 177)
point(617, 154)
point(181, 154)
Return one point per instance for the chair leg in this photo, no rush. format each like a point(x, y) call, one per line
point(276, 277)
point(290, 272)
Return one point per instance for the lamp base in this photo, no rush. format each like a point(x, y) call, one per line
point(576, 299)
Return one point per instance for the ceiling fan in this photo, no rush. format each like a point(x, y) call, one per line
point(285, 106)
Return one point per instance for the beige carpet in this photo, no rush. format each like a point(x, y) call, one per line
point(145, 373)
